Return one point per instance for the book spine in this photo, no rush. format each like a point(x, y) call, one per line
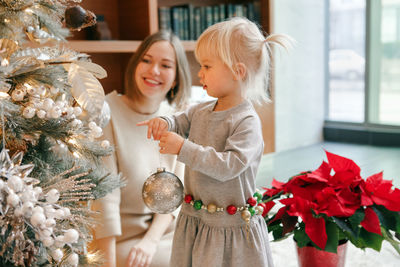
point(175, 20)
point(216, 18)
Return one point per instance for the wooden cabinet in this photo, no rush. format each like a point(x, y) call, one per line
point(132, 20)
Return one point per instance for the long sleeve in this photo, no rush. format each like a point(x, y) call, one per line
point(109, 206)
point(180, 122)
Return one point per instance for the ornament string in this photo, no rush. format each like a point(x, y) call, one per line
point(159, 155)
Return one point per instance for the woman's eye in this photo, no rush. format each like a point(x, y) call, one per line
point(206, 67)
point(166, 66)
point(145, 60)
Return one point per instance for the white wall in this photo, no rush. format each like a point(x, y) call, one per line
point(299, 74)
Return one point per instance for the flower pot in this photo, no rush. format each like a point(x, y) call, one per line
point(313, 257)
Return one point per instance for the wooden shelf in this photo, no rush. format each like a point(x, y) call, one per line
point(104, 46)
point(114, 46)
point(109, 46)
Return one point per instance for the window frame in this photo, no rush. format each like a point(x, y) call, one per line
point(365, 132)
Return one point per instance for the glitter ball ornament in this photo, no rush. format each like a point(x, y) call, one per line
point(162, 192)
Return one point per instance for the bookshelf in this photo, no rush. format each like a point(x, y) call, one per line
point(130, 21)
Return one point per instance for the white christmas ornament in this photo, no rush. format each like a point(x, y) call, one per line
point(41, 114)
point(15, 183)
point(47, 104)
point(48, 241)
point(105, 144)
point(57, 255)
point(55, 112)
point(73, 259)
point(71, 236)
point(52, 196)
point(12, 199)
point(28, 112)
point(18, 95)
point(38, 219)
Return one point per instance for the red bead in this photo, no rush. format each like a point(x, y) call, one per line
point(231, 209)
point(252, 201)
point(188, 198)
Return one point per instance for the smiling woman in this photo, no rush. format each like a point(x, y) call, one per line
point(130, 234)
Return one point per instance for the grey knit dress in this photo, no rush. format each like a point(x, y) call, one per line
point(221, 153)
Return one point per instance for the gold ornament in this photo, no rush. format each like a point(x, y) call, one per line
point(211, 208)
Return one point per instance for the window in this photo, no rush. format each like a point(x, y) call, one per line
point(364, 62)
point(346, 60)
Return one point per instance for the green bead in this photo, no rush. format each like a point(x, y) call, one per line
point(258, 195)
point(252, 211)
point(197, 204)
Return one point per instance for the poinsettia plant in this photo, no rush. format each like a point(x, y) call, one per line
point(333, 204)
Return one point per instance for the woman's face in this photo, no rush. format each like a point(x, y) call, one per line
point(155, 74)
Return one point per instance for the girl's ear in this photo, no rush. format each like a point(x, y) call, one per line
point(240, 71)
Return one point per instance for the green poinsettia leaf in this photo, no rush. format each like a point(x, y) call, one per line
point(333, 237)
point(273, 226)
point(301, 237)
point(356, 219)
point(342, 224)
point(388, 219)
point(277, 233)
point(371, 240)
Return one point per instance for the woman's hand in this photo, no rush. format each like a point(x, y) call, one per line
point(156, 127)
point(142, 253)
point(170, 143)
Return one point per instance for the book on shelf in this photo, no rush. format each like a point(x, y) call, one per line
point(188, 21)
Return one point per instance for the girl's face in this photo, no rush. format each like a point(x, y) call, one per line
point(216, 78)
point(156, 72)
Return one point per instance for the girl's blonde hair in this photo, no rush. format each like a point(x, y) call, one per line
point(179, 94)
point(238, 40)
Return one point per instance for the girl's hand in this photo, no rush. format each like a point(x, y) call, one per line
point(170, 143)
point(156, 127)
point(142, 253)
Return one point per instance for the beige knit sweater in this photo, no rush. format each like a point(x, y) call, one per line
point(123, 213)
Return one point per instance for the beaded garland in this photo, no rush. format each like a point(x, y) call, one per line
point(252, 207)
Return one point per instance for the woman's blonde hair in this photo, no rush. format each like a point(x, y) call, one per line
point(239, 40)
point(179, 94)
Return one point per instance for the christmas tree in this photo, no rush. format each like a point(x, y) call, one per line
point(52, 115)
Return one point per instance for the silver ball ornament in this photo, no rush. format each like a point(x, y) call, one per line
point(162, 192)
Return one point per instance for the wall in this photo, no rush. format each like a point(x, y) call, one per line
point(299, 74)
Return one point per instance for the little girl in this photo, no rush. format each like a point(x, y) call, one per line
point(221, 144)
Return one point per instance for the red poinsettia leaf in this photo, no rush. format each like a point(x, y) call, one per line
point(371, 221)
point(306, 191)
point(391, 200)
point(342, 164)
point(366, 199)
point(267, 206)
point(315, 229)
point(321, 174)
point(277, 184)
point(277, 187)
point(373, 181)
point(348, 197)
point(344, 178)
